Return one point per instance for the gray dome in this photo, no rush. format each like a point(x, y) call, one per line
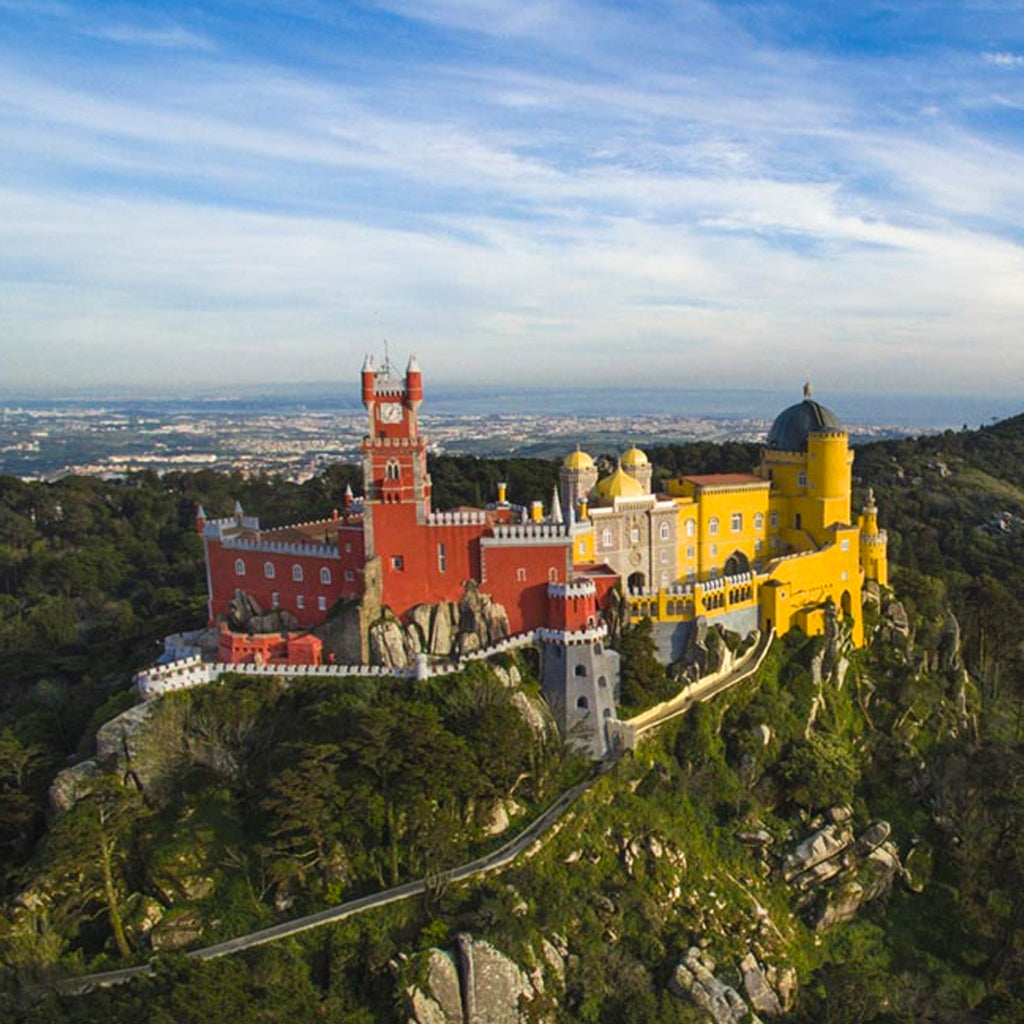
point(791, 427)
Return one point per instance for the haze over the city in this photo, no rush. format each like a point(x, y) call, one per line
point(559, 191)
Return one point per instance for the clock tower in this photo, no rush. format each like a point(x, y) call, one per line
point(395, 479)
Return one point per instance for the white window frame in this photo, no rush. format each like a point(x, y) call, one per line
point(239, 567)
point(296, 573)
point(663, 531)
point(269, 572)
point(736, 522)
point(713, 526)
point(325, 576)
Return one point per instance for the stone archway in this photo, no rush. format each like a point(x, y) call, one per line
point(736, 563)
point(636, 581)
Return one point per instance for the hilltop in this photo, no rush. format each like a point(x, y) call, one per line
point(899, 763)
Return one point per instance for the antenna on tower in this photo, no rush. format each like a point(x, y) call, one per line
point(386, 368)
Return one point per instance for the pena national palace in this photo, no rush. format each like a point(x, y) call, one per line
point(389, 581)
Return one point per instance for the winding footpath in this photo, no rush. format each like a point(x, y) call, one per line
point(498, 859)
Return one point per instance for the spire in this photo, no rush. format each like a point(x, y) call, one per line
point(414, 365)
point(556, 507)
point(368, 364)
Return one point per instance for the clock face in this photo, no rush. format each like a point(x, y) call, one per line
point(390, 413)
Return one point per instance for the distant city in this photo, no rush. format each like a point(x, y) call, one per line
point(299, 437)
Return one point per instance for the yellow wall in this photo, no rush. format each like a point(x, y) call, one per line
point(805, 581)
point(583, 545)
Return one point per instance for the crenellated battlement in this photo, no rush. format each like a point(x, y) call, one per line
point(281, 548)
point(456, 519)
point(577, 589)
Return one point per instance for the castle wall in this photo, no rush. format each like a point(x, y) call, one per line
point(422, 563)
point(800, 583)
point(518, 563)
point(308, 598)
point(672, 638)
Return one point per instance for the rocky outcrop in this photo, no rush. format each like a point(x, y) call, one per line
point(72, 784)
point(245, 615)
point(763, 998)
point(895, 627)
point(443, 630)
point(142, 745)
point(694, 979)
point(177, 930)
point(833, 874)
point(390, 644)
point(478, 984)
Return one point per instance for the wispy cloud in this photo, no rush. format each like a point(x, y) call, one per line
point(543, 180)
point(171, 37)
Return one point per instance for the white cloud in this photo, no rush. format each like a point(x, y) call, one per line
point(168, 37)
point(1004, 59)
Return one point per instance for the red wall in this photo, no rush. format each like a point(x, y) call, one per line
point(223, 578)
point(269, 648)
point(525, 601)
point(420, 579)
point(572, 613)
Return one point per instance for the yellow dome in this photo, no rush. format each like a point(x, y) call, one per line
point(634, 459)
point(578, 460)
point(616, 485)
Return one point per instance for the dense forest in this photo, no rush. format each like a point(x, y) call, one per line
point(260, 802)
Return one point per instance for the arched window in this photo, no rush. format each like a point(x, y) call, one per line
point(552, 575)
point(582, 703)
point(297, 573)
point(691, 528)
point(520, 575)
point(713, 525)
point(239, 567)
point(602, 681)
point(392, 471)
point(268, 570)
point(325, 575)
point(580, 670)
point(663, 531)
point(606, 539)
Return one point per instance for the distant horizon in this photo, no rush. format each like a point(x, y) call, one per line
point(854, 407)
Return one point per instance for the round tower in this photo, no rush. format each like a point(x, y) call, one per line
point(874, 554)
point(576, 478)
point(414, 382)
point(638, 466)
point(828, 467)
point(369, 381)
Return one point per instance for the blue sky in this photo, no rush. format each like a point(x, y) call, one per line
point(562, 191)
